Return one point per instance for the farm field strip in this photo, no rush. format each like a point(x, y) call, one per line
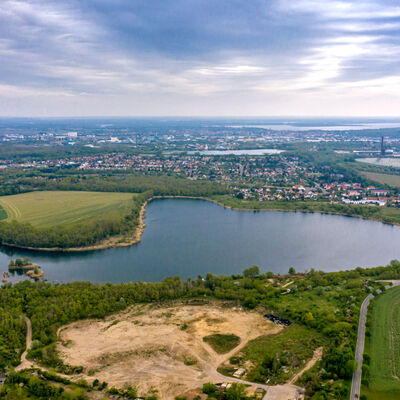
point(50, 208)
point(384, 179)
point(385, 343)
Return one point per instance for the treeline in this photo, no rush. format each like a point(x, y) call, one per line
point(329, 306)
point(160, 184)
point(12, 328)
point(389, 215)
point(81, 234)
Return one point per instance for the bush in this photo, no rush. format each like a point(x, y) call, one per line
point(209, 388)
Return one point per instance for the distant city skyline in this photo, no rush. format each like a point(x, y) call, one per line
point(199, 58)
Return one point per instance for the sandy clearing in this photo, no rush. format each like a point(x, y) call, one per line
point(282, 392)
point(158, 346)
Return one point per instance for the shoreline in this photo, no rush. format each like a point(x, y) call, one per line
point(136, 236)
point(110, 243)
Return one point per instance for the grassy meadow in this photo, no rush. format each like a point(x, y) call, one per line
point(52, 208)
point(384, 179)
point(222, 343)
point(384, 347)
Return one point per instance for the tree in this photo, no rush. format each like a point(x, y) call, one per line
point(209, 388)
point(292, 271)
point(251, 272)
point(250, 302)
point(236, 392)
point(309, 319)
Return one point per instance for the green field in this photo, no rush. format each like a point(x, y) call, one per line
point(386, 179)
point(62, 207)
point(384, 347)
point(3, 214)
point(222, 343)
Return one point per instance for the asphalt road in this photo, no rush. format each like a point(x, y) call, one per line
point(356, 382)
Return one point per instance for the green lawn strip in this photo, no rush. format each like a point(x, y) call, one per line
point(384, 348)
point(222, 343)
point(380, 395)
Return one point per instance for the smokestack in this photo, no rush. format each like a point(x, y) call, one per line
point(382, 147)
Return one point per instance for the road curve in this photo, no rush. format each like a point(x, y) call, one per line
point(356, 381)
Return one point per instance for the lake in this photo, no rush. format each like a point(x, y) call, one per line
point(384, 162)
point(188, 237)
point(249, 152)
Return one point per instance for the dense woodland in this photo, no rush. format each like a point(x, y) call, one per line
point(111, 181)
point(327, 304)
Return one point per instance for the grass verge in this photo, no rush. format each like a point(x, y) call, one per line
point(384, 348)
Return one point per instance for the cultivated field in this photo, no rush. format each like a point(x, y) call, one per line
point(3, 214)
point(159, 346)
point(387, 179)
point(62, 207)
point(385, 347)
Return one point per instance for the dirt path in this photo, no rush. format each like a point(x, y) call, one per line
point(24, 362)
point(208, 359)
point(316, 357)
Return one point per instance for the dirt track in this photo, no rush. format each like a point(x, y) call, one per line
point(24, 362)
point(316, 357)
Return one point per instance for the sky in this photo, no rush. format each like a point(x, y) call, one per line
point(199, 58)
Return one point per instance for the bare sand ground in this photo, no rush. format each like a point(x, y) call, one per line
point(159, 346)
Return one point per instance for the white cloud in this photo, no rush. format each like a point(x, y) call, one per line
point(24, 91)
point(333, 9)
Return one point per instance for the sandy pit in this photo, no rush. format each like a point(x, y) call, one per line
point(156, 346)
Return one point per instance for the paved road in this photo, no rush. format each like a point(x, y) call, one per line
point(356, 382)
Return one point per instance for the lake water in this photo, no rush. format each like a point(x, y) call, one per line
point(249, 152)
point(384, 162)
point(328, 127)
point(191, 237)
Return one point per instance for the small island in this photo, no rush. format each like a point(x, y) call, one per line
point(30, 269)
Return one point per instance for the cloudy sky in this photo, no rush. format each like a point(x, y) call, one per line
point(199, 57)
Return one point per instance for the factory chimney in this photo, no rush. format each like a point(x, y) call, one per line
point(382, 147)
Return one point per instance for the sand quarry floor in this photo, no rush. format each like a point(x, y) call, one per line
point(159, 347)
